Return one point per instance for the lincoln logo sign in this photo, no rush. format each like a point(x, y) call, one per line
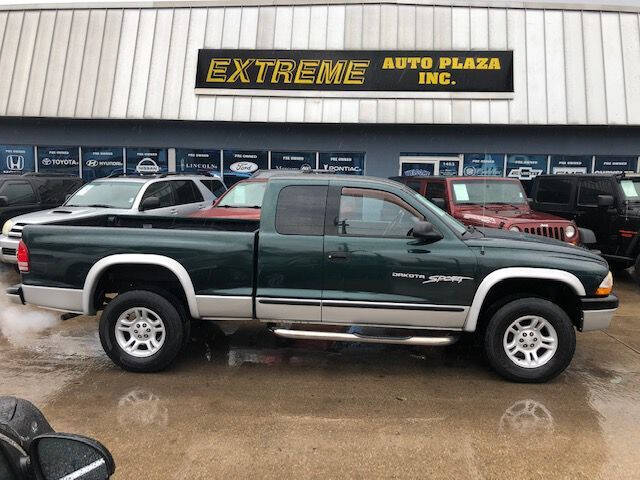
point(352, 73)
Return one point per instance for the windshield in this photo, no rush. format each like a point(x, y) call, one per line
point(454, 224)
point(105, 195)
point(479, 192)
point(631, 189)
point(244, 195)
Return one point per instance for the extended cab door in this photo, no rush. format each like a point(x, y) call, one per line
point(291, 251)
point(377, 274)
point(590, 215)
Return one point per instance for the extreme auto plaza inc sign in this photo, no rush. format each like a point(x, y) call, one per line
point(353, 73)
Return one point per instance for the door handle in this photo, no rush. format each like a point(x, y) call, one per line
point(174, 212)
point(338, 256)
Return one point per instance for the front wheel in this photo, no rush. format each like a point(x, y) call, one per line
point(530, 340)
point(141, 331)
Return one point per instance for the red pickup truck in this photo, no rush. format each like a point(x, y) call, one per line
point(491, 202)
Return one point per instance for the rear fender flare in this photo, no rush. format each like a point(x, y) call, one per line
point(100, 266)
point(517, 273)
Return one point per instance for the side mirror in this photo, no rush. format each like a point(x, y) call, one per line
point(60, 455)
point(150, 203)
point(425, 233)
point(587, 237)
point(4, 201)
point(438, 202)
point(605, 200)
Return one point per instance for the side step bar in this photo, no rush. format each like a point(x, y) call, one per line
point(354, 337)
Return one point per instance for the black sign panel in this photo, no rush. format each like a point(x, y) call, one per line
point(16, 159)
point(241, 164)
point(342, 162)
point(615, 164)
point(101, 162)
point(356, 70)
point(295, 160)
point(147, 161)
point(195, 160)
point(59, 160)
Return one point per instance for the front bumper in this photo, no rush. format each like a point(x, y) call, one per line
point(8, 249)
point(14, 294)
point(597, 312)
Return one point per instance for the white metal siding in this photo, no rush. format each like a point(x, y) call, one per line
point(570, 67)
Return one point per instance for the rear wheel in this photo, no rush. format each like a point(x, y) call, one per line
point(141, 331)
point(530, 340)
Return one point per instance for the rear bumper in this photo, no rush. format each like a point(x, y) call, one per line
point(14, 294)
point(597, 312)
point(8, 249)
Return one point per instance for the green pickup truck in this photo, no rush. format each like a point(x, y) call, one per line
point(330, 256)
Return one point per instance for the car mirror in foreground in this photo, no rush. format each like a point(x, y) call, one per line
point(425, 233)
point(605, 200)
point(150, 203)
point(438, 202)
point(4, 201)
point(56, 456)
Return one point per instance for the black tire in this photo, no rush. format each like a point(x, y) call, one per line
point(501, 321)
point(168, 313)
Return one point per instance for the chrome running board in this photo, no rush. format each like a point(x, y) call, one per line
point(355, 337)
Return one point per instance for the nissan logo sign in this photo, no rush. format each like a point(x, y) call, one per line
point(243, 167)
point(147, 165)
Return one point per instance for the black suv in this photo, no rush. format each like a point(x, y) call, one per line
point(609, 205)
point(31, 192)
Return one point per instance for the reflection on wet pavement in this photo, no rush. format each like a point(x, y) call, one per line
point(258, 408)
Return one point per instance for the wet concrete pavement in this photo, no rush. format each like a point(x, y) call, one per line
point(261, 411)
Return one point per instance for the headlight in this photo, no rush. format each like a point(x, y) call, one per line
point(606, 286)
point(514, 229)
point(8, 225)
point(570, 231)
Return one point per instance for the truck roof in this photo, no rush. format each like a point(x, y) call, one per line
point(332, 176)
point(591, 175)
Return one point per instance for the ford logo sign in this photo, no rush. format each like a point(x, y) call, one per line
point(92, 163)
point(243, 167)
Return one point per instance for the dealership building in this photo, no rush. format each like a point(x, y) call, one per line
point(507, 88)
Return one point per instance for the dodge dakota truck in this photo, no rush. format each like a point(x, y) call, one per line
point(329, 253)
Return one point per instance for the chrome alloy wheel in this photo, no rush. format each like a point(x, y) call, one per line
point(140, 332)
point(530, 341)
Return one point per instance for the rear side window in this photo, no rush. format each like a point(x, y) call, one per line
point(186, 192)
point(300, 210)
point(18, 193)
point(554, 190)
point(214, 186)
point(163, 191)
point(435, 190)
point(590, 188)
point(413, 185)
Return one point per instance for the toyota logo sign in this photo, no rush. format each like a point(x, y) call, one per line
point(46, 162)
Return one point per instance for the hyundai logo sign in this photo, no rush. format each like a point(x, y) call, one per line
point(15, 162)
point(92, 163)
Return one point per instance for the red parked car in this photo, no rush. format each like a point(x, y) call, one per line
point(242, 201)
point(493, 202)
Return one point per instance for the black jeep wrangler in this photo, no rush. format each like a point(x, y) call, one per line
point(607, 204)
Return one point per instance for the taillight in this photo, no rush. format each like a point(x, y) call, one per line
point(23, 257)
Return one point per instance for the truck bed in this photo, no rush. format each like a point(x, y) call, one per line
point(218, 254)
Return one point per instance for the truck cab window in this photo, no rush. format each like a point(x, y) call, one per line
point(554, 190)
point(301, 209)
point(163, 191)
point(375, 213)
point(435, 190)
point(589, 190)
